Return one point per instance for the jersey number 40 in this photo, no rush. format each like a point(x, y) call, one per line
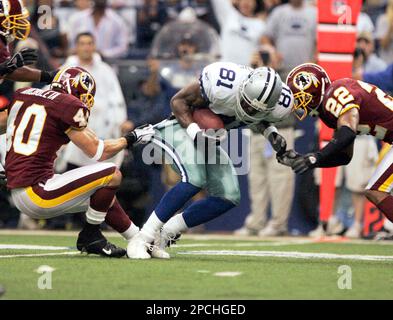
point(25, 143)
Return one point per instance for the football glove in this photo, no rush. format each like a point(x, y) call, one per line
point(302, 164)
point(22, 58)
point(278, 143)
point(3, 180)
point(140, 135)
point(287, 158)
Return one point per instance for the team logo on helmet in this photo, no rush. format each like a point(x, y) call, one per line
point(86, 81)
point(303, 80)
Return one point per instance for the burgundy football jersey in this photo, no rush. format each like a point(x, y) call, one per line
point(37, 126)
point(374, 105)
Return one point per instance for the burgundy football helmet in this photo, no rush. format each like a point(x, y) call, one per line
point(308, 83)
point(78, 82)
point(14, 20)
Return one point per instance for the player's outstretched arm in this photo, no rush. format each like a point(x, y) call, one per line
point(27, 74)
point(101, 150)
point(338, 151)
point(94, 148)
point(16, 68)
point(18, 60)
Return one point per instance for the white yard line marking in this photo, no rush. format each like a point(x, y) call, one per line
point(228, 274)
point(39, 255)
point(289, 254)
point(241, 244)
point(30, 247)
point(209, 236)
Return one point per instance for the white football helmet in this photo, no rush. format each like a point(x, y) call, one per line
point(258, 95)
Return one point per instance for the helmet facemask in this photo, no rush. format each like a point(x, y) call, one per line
point(16, 26)
point(246, 111)
point(258, 95)
point(302, 100)
point(87, 99)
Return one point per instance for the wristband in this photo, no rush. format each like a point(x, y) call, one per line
point(192, 130)
point(47, 77)
point(100, 150)
point(269, 130)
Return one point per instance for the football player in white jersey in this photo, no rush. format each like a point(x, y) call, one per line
point(240, 96)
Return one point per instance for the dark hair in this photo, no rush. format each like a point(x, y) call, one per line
point(85, 34)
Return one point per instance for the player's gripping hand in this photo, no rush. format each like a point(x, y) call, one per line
point(278, 143)
point(304, 163)
point(205, 136)
point(22, 58)
point(3, 180)
point(288, 157)
point(140, 135)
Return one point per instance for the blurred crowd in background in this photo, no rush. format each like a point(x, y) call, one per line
point(142, 51)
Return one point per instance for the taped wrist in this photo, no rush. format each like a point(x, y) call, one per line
point(269, 130)
point(192, 130)
point(100, 151)
point(333, 154)
point(131, 138)
point(47, 77)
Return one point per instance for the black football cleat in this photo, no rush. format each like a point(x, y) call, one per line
point(96, 243)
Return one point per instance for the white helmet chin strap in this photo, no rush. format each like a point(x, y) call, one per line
point(259, 106)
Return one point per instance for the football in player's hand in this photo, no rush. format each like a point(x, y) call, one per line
point(207, 119)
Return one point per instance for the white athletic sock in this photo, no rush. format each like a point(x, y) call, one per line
point(150, 228)
point(94, 216)
point(175, 225)
point(130, 232)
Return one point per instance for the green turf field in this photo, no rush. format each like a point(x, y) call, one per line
point(289, 268)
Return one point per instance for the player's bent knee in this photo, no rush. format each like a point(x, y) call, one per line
point(375, 196)
point(116, 179)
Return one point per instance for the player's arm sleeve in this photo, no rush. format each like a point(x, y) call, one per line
point(339, 150)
